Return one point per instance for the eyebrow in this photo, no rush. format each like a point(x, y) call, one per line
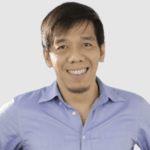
point(88, 38)
point(83, 37)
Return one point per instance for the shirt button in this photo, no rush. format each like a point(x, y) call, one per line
point(59, 103)
point(74, 113)
point(84, 137)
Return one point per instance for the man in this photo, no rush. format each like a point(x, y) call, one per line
point(78, 111)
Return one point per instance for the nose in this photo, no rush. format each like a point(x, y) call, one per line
point(76, 56)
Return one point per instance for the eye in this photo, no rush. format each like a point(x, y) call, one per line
point(62, 47)
point(87, 44)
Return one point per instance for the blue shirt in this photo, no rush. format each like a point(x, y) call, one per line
point(42, 120)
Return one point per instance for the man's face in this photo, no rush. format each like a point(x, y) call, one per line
point(77, 49)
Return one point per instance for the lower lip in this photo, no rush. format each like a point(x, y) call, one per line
point(80, 76)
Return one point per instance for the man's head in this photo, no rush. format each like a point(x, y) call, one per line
point(73, 37)
point(63, 17)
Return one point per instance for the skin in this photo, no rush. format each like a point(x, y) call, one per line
point(75, 52)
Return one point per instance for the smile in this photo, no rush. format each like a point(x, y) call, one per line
point(78, 72)
point(80, 75)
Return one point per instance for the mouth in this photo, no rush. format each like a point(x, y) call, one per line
point(87, 68)
point(78, 76)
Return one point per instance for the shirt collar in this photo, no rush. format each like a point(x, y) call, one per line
point(105, 91)
point(51, 92)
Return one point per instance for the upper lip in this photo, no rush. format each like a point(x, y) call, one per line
point(77, 68)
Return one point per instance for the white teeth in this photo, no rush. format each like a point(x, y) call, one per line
point(78, 72)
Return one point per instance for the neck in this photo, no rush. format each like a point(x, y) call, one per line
point(83, 100)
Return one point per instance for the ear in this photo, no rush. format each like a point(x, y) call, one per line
point(47, 58)
point(102, 52)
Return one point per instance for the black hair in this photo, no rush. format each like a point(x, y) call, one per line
point(64, 16)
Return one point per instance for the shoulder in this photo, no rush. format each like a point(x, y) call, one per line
point(128, 96)
point(30, 97)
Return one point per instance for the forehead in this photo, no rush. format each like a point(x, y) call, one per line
point(85, 29)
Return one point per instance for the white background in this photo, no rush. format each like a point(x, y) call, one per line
point(127, 39)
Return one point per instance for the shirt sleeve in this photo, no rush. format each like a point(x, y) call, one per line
point(143, 137)
point(9, 129)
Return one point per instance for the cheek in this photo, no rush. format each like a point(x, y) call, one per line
point(57, 63)
point(94, 57)
point(54, 59)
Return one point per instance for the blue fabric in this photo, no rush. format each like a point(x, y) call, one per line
point(42, 120)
